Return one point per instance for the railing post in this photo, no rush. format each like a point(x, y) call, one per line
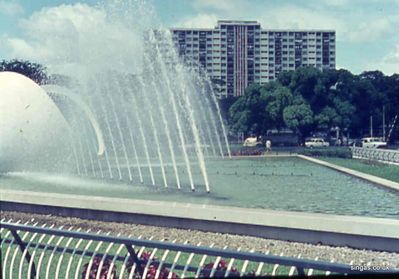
point(22, 247)
point(301, 270)
point(136, 260)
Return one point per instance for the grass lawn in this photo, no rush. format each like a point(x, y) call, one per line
point(386, 171)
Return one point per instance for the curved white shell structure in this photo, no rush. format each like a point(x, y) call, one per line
point(32, 129)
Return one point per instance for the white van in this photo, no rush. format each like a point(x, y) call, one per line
point(251, 142)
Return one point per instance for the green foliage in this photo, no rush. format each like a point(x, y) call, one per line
point(299, 117)
point(246, 112)
point(34, 71)
point(225, 105)
point(260, 109)
point(277, 99)
point(327, 118)
point(307, 99)
point(337, 152)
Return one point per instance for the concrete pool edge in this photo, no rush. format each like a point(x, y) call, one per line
point(357, 232)
point(368, 177)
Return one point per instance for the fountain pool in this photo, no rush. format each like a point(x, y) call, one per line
point(279, 183)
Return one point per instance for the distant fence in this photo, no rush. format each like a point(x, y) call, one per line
point(384, 155)
point(33, 251)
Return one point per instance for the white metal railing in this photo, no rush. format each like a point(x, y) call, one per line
point(383, 155)
point(30, 251)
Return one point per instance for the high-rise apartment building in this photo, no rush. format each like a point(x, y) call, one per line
point(238, 53)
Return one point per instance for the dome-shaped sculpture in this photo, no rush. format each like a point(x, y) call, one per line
point(33, 131)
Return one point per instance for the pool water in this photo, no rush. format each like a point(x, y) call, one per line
point(278, 183)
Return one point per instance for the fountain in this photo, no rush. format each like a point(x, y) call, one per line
point(145, 124)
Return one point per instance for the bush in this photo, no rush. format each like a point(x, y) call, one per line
point(248, 151)
point(152, 268)
point(219, 272)
point(339, 152)
point(105, 269)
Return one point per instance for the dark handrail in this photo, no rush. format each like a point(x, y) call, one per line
point(255, 257)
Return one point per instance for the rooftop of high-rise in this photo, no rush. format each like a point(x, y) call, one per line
point(250, 23)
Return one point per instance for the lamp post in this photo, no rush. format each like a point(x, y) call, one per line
point(371, 126)
point(383, 123)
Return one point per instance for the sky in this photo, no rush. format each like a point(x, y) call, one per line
point(367, 30)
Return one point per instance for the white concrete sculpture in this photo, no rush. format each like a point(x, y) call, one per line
point(32, 129)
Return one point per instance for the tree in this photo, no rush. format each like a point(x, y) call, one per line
point(299, 117)
point(225, 105)
point(277, 98)
point(247, 113)
point(328, 118)
point(365, 99)
point(345, 110)
point(239, 116)
point(304, 81)
point(34, 71)
point(260, 109)
point(387, 88)
point(392, 94)
point(285, 77)
point(308, 99)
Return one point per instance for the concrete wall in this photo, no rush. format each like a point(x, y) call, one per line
point(357, 232)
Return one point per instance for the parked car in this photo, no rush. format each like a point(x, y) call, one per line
point(373, 143)
point(316, 142)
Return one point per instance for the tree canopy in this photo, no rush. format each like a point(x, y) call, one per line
point(34, 71)
point(307, 100)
